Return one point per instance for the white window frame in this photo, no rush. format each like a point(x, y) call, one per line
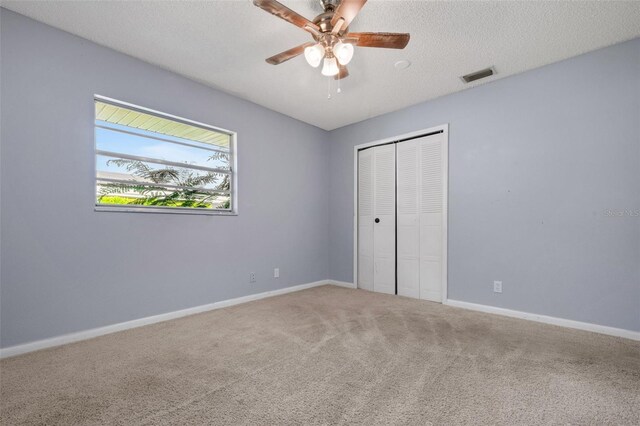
point(233, 192)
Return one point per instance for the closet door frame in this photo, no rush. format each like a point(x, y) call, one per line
point(444, 129)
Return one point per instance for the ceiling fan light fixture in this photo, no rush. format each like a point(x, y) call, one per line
point(343, 52)
point(330, 67)
point(332, 40)
point(314, 54)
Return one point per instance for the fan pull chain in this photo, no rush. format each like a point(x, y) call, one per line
point(338, 90)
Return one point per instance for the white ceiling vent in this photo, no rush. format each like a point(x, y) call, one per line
point(487, 72)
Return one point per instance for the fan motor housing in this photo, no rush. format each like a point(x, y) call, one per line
point(329, 5)
point(324, 21)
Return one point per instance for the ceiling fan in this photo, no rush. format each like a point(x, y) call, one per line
point(333, 44)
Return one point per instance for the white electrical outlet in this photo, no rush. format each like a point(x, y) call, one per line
point(497, 286)
point(276, 273)
point(252, 277)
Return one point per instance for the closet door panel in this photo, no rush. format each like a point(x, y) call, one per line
point(408, 219)
point(385, 276)
point(365, 273)
point(430, 240)
point(409, 277)
point(408, 236)
point(365, 219)
point(408, 259)
point(430, 280)
point(431, 216)
point(384, 224)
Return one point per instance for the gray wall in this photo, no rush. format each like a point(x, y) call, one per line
point(535, 161)
point(67, 268)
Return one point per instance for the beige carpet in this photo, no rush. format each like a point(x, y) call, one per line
point(330, 355)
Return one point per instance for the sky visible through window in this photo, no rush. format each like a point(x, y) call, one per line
point(107, 140)
point(127, 174)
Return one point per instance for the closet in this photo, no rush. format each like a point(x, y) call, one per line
point(402, 216)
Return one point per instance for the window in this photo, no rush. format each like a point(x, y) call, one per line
point(148, 161)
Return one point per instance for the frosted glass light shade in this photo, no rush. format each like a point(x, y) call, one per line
point(314, 54)
point(330, 67)
point(343, 52)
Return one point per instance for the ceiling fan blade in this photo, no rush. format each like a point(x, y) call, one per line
point(283, 12)
point(342, 73)
point(289, 54)
point(347, 10)
point(384, 40)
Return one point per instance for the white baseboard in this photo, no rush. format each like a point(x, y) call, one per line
point(101, 331)
point(95, 332)
point(342, 284)
point(602, 329)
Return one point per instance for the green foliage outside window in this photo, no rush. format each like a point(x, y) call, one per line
point(154, 191)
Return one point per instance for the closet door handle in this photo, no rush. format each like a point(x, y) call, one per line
point(377, 220)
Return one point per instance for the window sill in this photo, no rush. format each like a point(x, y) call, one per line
point(160, 210)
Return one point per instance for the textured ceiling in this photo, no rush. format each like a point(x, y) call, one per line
point(224, 43)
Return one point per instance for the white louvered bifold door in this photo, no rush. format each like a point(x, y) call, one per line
point(421, 217)
point(365, 219)
point(408, 219)
point(377, 219)
point(384, 223)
